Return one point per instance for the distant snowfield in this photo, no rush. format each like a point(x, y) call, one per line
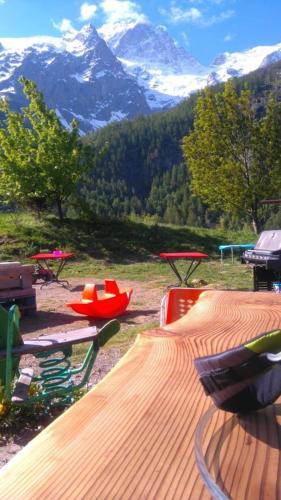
point(19, 45)
point(42, 44)
point(244, 62)
point(164, 82)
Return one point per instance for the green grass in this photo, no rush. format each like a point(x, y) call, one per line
point(114, 241)
point(123, 249)
point(227, 275)
point(103, 242)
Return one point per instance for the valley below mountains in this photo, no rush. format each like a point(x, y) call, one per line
point(120, 71)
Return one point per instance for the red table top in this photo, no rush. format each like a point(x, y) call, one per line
point(184, 255)
point(45, 256)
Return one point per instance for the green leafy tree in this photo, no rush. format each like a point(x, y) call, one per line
point(234, 156)
point(41, 162)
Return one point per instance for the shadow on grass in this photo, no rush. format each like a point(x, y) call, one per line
point(129, 315)
point(47, 319)
point(80, 288)
point(127, 241)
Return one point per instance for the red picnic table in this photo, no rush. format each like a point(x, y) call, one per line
point(193, 258)
point(45, 272)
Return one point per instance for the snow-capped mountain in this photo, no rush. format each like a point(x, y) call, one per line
point(150, 45)
point(166, 72)
point(232, 64)
point(118, 72)
point(79, 76)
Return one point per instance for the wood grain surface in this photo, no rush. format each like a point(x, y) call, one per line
point(132, 436)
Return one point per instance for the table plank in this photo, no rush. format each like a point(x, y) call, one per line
point(184, 255)
point(52, 256)
point(133, 435)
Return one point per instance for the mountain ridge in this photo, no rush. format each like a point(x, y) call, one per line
point(134, 69)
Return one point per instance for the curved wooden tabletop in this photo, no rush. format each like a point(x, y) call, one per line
point(132, 436)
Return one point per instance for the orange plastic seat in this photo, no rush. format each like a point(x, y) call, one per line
point(89, 293)
point(109, 304)
point(179, 301)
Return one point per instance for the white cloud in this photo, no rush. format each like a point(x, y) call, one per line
point(121, 10)
point(2, 2)
point(177, 14)
point(65, 26)
point(228, 37)
point(217, 18)
point(185, 39)
point(87, 11)
point(216, 2)
point(202, 17)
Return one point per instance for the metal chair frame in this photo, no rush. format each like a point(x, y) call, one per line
point(56, 378)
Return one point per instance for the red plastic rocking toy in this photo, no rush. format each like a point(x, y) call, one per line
point(111, 303)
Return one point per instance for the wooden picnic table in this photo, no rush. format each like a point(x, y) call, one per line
point(43, 262)
point(193, 260)
point(132, 436)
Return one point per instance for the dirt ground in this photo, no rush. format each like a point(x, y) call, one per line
point(54, 316)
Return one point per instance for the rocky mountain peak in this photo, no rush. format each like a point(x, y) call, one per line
point(87, 35)
point(79, 77)
point(145, 43)
point(271, 58)
point(85, 39)
point(219, 59)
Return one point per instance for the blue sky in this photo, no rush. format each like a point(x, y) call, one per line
point(205, 27)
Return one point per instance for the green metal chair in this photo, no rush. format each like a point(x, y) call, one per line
point(56, 381)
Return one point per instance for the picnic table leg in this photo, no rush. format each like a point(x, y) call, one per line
point(59, 270)
point(193, 266)
point(232, 256)
point(44, 266)
point(54, 276)
point(173, 266)
point(221, 256)
point(190, 270)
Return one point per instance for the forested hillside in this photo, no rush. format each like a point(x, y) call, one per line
point(142, 169)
